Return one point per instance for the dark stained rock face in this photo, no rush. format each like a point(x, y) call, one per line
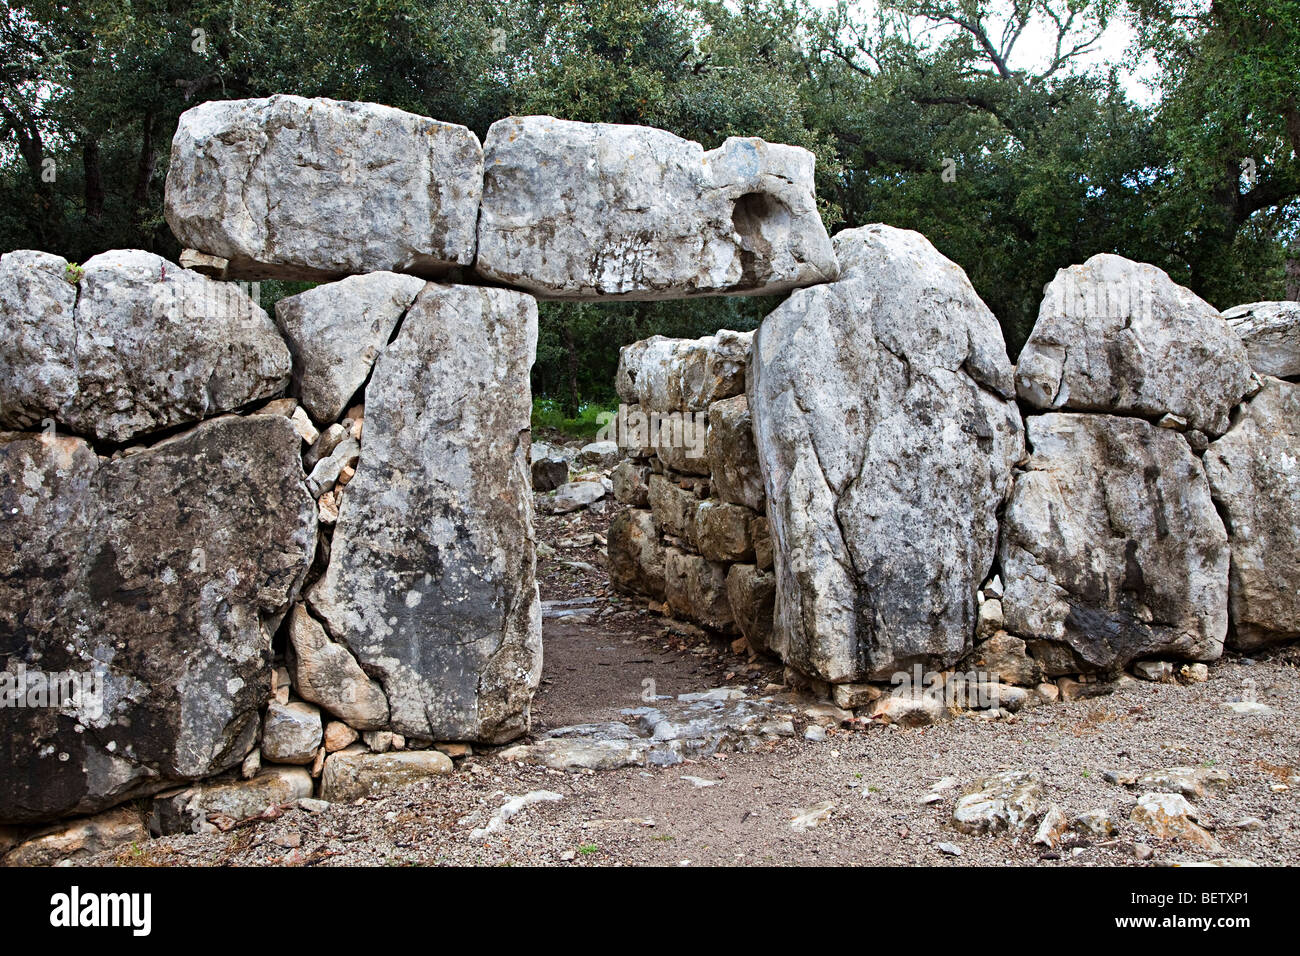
point(155, 581)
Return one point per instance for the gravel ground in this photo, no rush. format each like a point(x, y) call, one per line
point(873, 777)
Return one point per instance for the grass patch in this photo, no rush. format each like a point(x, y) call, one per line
point(549, 414)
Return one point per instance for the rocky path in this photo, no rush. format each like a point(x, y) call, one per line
point(816, 792)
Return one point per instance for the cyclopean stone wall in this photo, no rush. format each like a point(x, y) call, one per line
point(696, 538)
point(250, 559)
point(296, 551)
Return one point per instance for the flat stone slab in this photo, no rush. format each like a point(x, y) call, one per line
point(606, 211)
point(294, 188)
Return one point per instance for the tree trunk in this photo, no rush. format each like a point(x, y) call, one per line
point(144, 169)
point(572, 400)
point(1293, 274)
point(94, 180)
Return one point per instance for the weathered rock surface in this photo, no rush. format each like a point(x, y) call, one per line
point(1119, 336)
point(598, 210)
point(349, 776)
point(294, 188)
point(884, 417)
point(631, 484)
point(752, 596)
point(674, 508)
point(137, 346)
point(188, 810)
point(1254, 473)
point(325, 673)
point(549, 473)
point(722, 531)
point(1168, 816)
point(733, 456)
point(165, 571)
point(574, 496)
point(1271, 333)
point(1006, 801)
point(680, 375)
point(336, 331)
point(76, 839)
point(1111, 547)
point(696, 589)
point(291, 733)
point(636, 557)
point(430, 581)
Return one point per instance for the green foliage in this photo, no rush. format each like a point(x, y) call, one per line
point(548, 413)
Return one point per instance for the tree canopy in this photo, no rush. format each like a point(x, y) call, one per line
point(1015, 155)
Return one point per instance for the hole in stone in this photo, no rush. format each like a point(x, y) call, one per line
point(750, 214)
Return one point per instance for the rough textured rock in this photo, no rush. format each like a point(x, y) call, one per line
point(147, 346)
point(1271, 333)
point(733, 456)
point(1005, 801)
point(722, 531)
point(1111, 548)
point(291, 733)
point(349, 776)
point(1005, 656)
point(325, 673)
point(430, 581)
point(1119, 336)
point(631, 484)
point(574, 496)
point(167, 571)
point(696, 589)
point(674, 508)
point(294, 188)
point(752, 596)
point(667, 375)
point(1254, 473)
point(636, 558)
point(188, 810)
point(597, 210)
point(77, 839)
point(336, 331)
point(549, 473)
point(884, 416)
point(1168, 816)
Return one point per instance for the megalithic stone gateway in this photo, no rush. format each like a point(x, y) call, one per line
point(431, 579)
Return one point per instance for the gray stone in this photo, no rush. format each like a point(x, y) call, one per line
point(1006, 801)
point(722, 531)
point(430, 580)
point(599, 454)
point(350, 776)
point(884, 416)
point(631, 484)
point(1111, 548)
point(75, 840)
point(597, 210)
point(696, 589)
point(294, 188)
point(166, 572)
point(148, 345)
point(1005, 656)
point(574, 496)
point(1119, 336)
point(660, 374)
point(674, 508)
point(549, 473)
point(325, 673)
point(733, 456)
point(1168, 816)
point(636, 556)
point(1271, 333)
point(752, 596)
point(1254, 474)
point(291, 733)
point(189, 810)
point(1192, 782)
point(336, 331)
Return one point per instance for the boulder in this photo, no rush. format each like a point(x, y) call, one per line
point(1271, 334)
point(336, 331)
point(325, 673)
point(674, 508)
point(751, 593)
point(696, 589)
point(1006, 801)
point(574, 496)
point(291, 733)
point(598, 210)
point(886, 425)
point(549, 473)
point(75, 840)
point(156, 580)
point(636, 556)
point(430, 581)
point(631, 484)
point(317, 189)
point(599, 454)
point(189, 810)
point(350, 776)
point(1121, 337)
point(1111, 548)
point(1254, 474)
point(722, 531)
point(146, 346)
point(1005, 657)
point(733, 456)
point(660, 374)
